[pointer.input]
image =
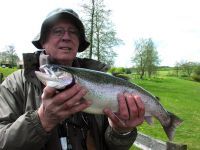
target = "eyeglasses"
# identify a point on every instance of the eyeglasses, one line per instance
(60, 31)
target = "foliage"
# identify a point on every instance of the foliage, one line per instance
(9, 56)
(197, 70)
(187, 70)
(120, 70)
(188, 67)
(100, 32)
(196, 75)
(146, 57)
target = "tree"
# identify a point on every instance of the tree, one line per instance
(177, 68)
(196, 75)
(188, 68)
(139, 58)
(152, 59)
(4, 57)
(9, 56)
(100, 32)
(146, 57)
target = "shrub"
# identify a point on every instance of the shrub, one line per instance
(196, 77)
(128, 71)
(119, 70)
(197, 70)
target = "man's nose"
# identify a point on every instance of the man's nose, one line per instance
(66, 35)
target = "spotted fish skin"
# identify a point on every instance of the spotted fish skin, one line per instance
(103, 90)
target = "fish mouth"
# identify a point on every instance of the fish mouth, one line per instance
(54, 77)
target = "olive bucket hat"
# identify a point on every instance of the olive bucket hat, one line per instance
(51, 18)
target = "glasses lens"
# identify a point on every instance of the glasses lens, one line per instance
(58, 31)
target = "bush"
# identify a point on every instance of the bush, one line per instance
(196, 77)
(197, 70)
(115, 70)
(128, 71)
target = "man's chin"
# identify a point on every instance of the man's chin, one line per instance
(65, 60)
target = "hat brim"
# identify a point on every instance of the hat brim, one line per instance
(83, 43)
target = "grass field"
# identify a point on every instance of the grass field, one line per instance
(6, 71)
(182, 97)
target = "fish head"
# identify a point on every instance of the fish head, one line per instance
(55, 77)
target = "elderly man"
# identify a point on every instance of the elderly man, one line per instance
(37, 117)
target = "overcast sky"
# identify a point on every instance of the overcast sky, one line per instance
(173, 25)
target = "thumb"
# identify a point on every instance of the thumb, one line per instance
(48, 92)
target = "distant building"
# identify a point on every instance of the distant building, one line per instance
(20, 64)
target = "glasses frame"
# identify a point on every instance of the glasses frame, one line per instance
(61, 31)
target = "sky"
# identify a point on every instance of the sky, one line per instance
(173, 25)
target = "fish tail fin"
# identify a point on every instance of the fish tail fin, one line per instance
(171, 127)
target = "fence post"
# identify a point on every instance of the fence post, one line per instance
(1, 77)
(146, 142)
(173, 146)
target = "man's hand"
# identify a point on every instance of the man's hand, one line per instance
(131, 113)
(57, 106)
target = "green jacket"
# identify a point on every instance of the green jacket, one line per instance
(20, 127)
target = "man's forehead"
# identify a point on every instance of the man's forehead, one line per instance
(68, 23)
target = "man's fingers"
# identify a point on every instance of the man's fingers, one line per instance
(67, 94)
(123, 109)
(132, 106)
(76, 108)
(140, 106)
(111, 115)
(75, 99)
(80, 107)
(48, 92)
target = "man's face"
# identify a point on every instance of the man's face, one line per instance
(62, 43)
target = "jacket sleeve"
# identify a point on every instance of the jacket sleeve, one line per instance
(119, 142)
(19, 129)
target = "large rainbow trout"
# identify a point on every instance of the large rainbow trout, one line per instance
(103, 90)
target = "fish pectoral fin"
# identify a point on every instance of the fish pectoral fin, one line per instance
(149, 120)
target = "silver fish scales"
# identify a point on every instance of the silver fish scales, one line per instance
(103, 90)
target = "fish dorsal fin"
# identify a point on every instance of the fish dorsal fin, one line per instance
(157, 98)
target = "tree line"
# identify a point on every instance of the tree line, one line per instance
(186, 68)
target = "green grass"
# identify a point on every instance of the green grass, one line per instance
(6, 71)
(182, 97)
